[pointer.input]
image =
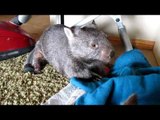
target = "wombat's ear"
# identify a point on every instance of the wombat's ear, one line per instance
(94, 23)
(69, 33)
(91, 25)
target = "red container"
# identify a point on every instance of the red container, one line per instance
(14, 41)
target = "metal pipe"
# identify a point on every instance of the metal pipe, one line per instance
(24, 18)
(122, 32)
(125, 39)
(20, 19)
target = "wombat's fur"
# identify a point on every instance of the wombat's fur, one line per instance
(80, 52)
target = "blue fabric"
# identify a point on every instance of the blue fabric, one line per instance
(131, 73)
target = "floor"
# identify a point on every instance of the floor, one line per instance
(38, 23)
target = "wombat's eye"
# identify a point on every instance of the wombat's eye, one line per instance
(93, 45)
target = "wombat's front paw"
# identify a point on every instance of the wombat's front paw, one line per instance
(37, 68)
(28, 68)
(37, 72)
(95, 77)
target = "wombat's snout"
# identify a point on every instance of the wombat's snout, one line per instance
(112, 53)
(107, 55)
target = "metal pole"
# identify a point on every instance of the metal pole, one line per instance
(20, 19)
(122, 32)
(62, 19)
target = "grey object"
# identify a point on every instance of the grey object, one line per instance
(74, 52)
(125, 39)
(20, 19)
(69, 94)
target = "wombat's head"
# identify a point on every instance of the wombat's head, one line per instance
(89, 43)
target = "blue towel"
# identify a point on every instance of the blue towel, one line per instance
(131, 73)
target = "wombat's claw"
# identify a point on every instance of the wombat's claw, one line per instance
(96, 77)
(28, 68)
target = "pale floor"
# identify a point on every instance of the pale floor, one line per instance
(38, 23)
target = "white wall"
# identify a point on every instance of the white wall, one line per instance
(138, 26)
(156, 50)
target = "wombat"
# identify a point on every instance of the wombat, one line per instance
(81, 52)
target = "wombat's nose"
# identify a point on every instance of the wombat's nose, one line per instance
(107, 54)
(112, 53)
